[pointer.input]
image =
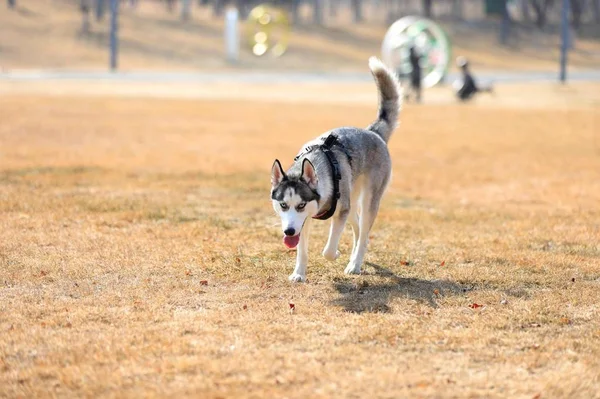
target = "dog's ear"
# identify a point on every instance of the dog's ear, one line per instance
(277, 173)
(308, 174)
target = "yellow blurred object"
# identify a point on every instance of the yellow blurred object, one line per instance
(268, 30)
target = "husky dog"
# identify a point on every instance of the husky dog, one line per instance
(341, 174)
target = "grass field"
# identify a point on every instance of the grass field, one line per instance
(140, 256)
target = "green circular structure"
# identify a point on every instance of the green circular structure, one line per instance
(430, 41)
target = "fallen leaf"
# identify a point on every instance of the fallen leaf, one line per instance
(573, 280)
(565, 320)
(43, 273)
(475, 306)
(404, 262)
(292, 308)
(68, 325)
(203, 282)
(443, 263)
(238, 260)
(188, 272)
(245, 307)
(436, 292)
(537, 396)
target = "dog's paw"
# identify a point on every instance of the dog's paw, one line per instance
(331, 255)
(352, 268)
(297, 278)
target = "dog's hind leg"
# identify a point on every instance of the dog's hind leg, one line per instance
(355, 211)
(369, 206)
(355, 228)
(335, 232)
(299, 274)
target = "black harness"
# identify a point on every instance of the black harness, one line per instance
(336, 175)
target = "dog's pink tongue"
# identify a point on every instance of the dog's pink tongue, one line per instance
(291, 241)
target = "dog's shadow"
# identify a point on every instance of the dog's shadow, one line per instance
(364, 295)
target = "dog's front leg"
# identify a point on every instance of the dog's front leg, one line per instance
(299, 274)
(335, 233)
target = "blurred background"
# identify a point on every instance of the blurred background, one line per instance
(318, 35)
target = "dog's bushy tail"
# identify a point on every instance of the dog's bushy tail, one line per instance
(389, 99)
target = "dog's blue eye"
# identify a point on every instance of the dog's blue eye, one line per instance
(301, 206)
(283, 205)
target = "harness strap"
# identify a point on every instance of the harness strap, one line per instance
(336, 175)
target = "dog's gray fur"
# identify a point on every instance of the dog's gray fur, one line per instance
(364, 179)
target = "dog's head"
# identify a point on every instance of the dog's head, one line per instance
(295, 198)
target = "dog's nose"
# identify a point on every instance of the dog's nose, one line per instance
(289, 231)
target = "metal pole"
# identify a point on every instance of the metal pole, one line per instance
(564, 46)
(114, 40)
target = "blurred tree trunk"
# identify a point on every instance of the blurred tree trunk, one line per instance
(596, 7)
(357, 11)
(12, 3)
(242, 6)
(295, 11)
(427, 8)
(390, 10)
(218, 7)
(85, 15)
(318, 12)
(171, 5)
(541, 11)
(394, 10)
(576, 12)
(185, 10)
(458, 9)
(505, 25)
(333, 8)
(525, 11)
(100, 8)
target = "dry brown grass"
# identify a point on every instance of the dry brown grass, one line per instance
(139, 255)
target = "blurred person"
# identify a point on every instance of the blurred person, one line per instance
(415, 74)
(466, 87)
